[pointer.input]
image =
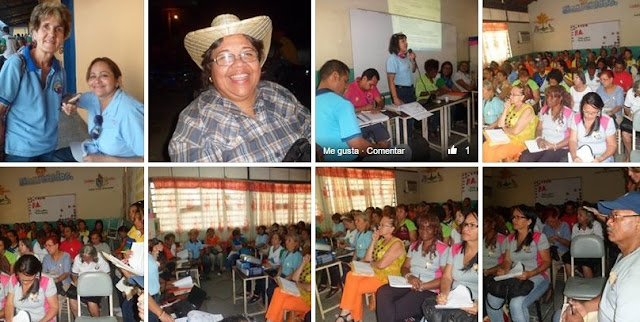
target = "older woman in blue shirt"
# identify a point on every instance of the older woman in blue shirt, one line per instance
(116, 120)
(33, 83)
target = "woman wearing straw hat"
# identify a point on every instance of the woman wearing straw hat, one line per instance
(238, 118)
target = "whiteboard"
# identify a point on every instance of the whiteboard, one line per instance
(558, 191)
(370, 34)
(52, 208)
(596, 35)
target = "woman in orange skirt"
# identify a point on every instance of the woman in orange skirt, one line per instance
(281, 302)
(386, 256)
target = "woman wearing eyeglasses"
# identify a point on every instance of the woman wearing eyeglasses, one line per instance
(386, 255)
(593, 131)
(462, 268)
(422, 268)
(238, 118)
(531, 248)
(28, 290)
(116, 120)
(57, 264)
(518, 120)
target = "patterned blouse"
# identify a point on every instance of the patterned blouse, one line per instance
(394, 268)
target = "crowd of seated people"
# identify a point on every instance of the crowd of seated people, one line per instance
(433, 246)
(284, 251)
(600, 91)
(40, 264)
(510, 236)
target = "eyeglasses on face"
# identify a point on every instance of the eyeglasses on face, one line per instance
(227, 58)
(469, 225)
(614, 216)
(518, 217)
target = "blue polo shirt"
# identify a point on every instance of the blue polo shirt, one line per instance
(336, 124)
(402, 68)
(122, 126)
(290, 261)
(194, 248)
(32, 120)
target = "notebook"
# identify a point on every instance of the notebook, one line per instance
(496, 136)
(362, 268)
(288, 286)
(517, 269)
(398, 282)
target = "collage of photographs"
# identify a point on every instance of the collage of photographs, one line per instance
(319, 160)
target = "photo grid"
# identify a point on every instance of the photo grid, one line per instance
(398, 124)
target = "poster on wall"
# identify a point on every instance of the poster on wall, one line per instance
(596, 35)
(470, 185)
(558, 191)
(52, 208)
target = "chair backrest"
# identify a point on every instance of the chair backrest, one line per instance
(95, 284)
(587, 246)
(636, 122)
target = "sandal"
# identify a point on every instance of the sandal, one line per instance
(344, 317)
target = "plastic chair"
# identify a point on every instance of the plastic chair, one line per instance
(586, 246)
(95, 284)
(635, 154)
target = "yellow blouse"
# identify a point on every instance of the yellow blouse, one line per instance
(394, 268)
(529, 132)
(305, 277)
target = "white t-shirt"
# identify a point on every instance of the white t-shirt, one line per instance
(274, 255)
(596, 229)
(577, 96)
(619, 300)
(461, 76)
(592, 83)
(631, 101)
(39, 251)
(79, 267)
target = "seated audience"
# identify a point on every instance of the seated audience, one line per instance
(57, 265)
(282, 301)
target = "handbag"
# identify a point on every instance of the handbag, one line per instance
(432, 314)
(509, 288)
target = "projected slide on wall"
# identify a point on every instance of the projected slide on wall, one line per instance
(371, 31)
(421, 9)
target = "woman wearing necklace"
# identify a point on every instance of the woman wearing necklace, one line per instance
(594, 129)
(532, 250)
(386, 255)
(518, 120)
(422, 269)
(552, 133)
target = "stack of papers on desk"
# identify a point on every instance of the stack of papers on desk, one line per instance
(368, 118)
(496, 136)
(458, 298)
(362, 268)
(414, 110)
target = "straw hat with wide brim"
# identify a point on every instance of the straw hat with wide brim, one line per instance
(197, 42)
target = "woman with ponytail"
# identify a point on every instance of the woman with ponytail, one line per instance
(531, 248)
(593, 128)
(28, 290)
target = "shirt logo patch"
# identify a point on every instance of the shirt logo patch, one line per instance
(57, 87)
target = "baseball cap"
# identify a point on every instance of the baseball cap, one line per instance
(630, 201)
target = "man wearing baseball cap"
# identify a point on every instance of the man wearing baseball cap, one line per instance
(618, 301)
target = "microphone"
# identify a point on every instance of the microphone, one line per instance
(410, 51)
